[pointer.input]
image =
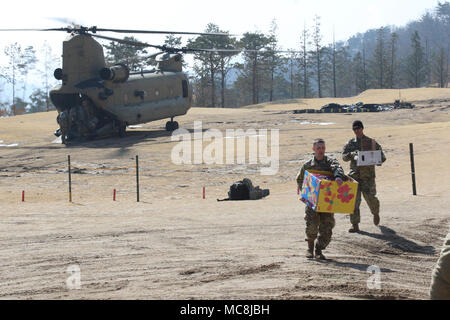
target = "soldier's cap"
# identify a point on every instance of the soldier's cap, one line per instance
(357, 124)
(318, 140)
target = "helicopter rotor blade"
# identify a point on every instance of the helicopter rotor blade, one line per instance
(214, 50)
(122, 41)
(76, 28)
(153, 56)
(184, 49)
(50, 29)
(66, 21)
(128, 42)
(163, 32)
(239, 50)
(161, 48)
(188, 50)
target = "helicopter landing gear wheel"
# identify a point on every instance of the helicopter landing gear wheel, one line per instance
(171, 125)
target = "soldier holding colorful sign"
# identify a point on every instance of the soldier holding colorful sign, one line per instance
(319, 223)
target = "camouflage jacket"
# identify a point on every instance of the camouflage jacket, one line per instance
(326, 164)
(349, 153)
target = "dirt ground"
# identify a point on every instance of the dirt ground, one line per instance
(175, 245)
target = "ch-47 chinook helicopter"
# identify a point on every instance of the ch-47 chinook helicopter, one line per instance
(95, 100)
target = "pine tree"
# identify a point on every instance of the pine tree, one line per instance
(213, 62)
(38, 101)
(392, 69)
(252, 69)
(416, 62)
(358, 73)
(344, 76)
(333, 63)
(379, 62)
(130, 55)
(439, 67)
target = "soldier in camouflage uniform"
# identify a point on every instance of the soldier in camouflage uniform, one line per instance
(319, 222)
(364, 175)
(440, 281)
(63, 120)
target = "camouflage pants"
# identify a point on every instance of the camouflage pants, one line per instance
(368, 189)
(319, 223)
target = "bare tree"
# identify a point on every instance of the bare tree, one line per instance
(333, 63)
(273, 59)
(48, 65)
(304, 67)
(317, 53)
(292, 72)
(21, 61)
(428, 64)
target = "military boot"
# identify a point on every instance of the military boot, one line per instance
(354, 229)
(319, 255)
(376, 219)
(310, 251)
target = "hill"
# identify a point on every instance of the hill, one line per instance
(381, 96)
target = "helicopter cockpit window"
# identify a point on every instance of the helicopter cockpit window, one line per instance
(184, 84)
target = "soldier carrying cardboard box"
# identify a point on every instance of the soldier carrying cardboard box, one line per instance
(364, 175)
(319, 222)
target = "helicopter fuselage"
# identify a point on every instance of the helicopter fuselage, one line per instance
(142, 98)
(147, 97)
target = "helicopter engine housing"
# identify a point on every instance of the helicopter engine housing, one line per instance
(117, 73)
(169, 62)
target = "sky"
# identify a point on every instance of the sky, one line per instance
(343, 17)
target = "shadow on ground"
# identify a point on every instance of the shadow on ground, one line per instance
(356, 266)
(398, 242)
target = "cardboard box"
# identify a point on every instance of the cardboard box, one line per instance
(368, 158)
(322, 194)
